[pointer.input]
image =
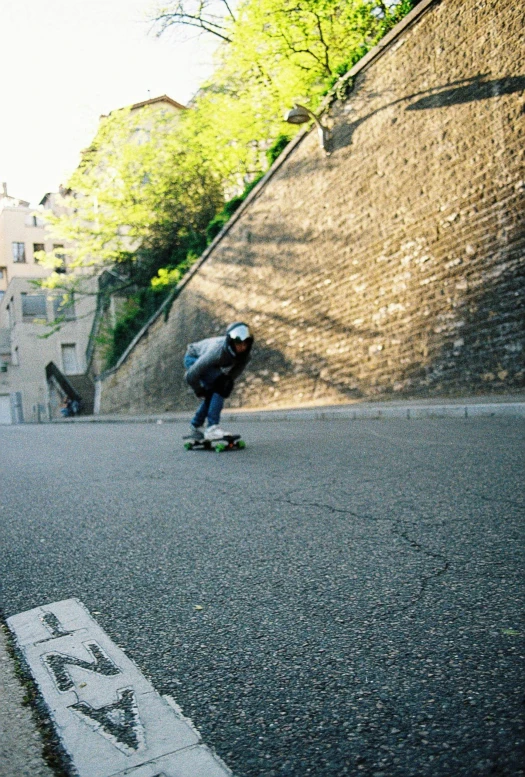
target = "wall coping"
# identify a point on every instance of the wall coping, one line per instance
(406, 22)
(365, 61)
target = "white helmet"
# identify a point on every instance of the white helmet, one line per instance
(238, 333)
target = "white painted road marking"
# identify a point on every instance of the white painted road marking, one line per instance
(58, 665)
(110, 719)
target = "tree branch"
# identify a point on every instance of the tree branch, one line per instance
(185, 13)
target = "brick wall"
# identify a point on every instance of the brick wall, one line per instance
(392, 267)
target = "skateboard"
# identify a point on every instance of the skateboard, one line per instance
(228, 443)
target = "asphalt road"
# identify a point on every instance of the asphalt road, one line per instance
(361, 582)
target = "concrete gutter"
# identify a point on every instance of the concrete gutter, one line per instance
(21, 743)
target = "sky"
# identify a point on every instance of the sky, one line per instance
(66, 62)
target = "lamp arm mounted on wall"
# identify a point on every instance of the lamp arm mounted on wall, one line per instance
(300, 114)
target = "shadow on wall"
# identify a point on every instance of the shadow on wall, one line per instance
(467, 342)
(480, 342)
(474, 345)
(456, 93)
(266, 361)
(310, 372)
(306, 377)
(473, 89)
(483, 344)
(480, 318)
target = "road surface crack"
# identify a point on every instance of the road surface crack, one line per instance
(320, 506)
(425, 579)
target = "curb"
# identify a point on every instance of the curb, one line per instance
(461, 408)
(509, 410)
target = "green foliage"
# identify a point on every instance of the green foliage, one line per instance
(134, 312)
(139, 201)
(168, 277)
(138, 194)
(276, 53)
(279, 52)
(224, 215)
(148, 195)
(277, 147)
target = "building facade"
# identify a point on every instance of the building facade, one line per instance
(28, 390)
(22, 236)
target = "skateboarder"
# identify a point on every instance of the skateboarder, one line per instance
(212, 365)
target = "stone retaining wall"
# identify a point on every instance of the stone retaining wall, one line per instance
(392, 267)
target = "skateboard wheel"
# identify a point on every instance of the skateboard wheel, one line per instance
(188, 446)
(220, 447)
(241, 444)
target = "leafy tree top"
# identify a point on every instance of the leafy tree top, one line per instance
(273, 53)
(138, 186)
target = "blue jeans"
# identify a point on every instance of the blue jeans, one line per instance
(211, 406)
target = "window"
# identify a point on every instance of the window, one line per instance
(32, 220)
(33, 307)
(15, 357)
(64, 307)
(69, 359)
(19, 252)
(2, 273)
(36, 248)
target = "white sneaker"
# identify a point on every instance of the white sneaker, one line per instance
(197, 432)
(215, 433)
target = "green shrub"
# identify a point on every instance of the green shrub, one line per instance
(137, 309)
(276, 148)
(224, 215)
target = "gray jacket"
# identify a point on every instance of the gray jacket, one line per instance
(213, 357)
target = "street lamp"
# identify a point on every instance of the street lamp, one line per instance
(300, 115)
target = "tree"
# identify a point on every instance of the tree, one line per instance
(152, 179)
(139, 198)
(274, 53)
(151, 182)
(210, 16)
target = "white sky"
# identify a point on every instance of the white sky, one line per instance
(66, 62)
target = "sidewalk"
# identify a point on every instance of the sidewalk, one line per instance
(509, 405)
